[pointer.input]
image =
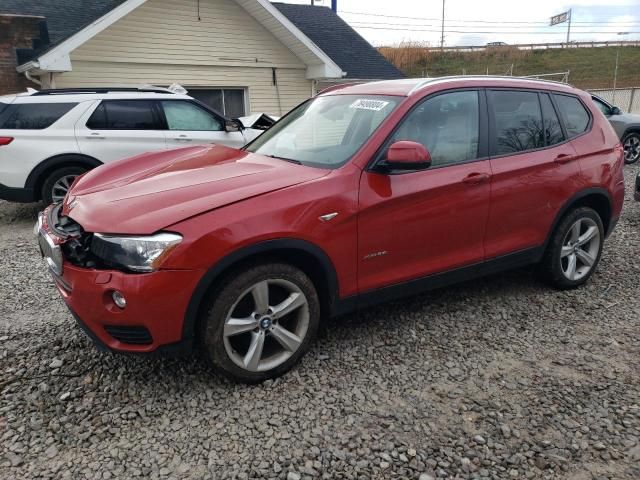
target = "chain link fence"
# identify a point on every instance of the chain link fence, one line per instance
(626, 99)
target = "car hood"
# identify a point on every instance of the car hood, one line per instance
(627, 118)
(143, 194)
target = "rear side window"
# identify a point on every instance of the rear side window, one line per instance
(518, 121)
(125, 115)
(32, 116)
(552, 129)
(575, 116)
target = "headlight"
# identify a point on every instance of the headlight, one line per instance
(139, 254)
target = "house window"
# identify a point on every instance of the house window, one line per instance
(228, 101)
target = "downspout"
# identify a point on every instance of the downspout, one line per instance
(274, 79)
(29, 77)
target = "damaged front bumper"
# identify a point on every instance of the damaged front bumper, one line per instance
(152, 318)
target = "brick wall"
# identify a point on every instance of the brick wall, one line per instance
(16, 31)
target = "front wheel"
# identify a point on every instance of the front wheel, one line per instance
(631, 145)
(261, 322)
(57, 184)
(574, 249)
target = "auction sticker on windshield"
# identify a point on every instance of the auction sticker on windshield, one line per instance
(369, 104)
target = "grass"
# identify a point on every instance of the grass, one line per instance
(589, 67)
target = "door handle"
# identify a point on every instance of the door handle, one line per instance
(476, 178)
(564, 158)
(96, 136)
(182, 138)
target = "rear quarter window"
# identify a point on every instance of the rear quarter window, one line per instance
(3, 106)
(32, 116)
(574, 114)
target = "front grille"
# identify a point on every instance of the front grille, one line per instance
(131, 335)
(50, 251)
(45, 247)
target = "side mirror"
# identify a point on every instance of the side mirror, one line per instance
(233, 126)
(615, 111)
(408, 155)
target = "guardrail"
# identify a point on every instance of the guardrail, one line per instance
(538, 46)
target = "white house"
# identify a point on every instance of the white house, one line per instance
(239, 56)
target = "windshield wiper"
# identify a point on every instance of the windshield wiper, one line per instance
(292, 160)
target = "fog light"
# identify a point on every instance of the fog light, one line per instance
(119, 299)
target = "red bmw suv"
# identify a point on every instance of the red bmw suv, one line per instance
(362, 194)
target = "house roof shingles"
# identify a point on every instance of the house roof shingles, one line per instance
(353, 54)
(64, 17)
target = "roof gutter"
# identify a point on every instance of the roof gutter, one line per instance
(25, 67)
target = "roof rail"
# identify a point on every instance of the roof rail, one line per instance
(426, 81)
(72, 91)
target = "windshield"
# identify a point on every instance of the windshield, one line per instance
(325, 131)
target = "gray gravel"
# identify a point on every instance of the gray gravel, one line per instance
(495, 378)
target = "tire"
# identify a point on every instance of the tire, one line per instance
(237, 322)
(562, 250)
(631, 145)
(53, 188)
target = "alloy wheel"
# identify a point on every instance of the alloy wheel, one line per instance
(61, 187)
(632, 149)
(580, 249)
(266, 325)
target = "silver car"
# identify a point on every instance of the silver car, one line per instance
(626, 125)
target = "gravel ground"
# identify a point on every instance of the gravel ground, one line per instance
(496, 378)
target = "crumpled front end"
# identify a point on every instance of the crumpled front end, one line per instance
(120, 311)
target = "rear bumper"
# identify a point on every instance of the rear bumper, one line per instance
(22, 195)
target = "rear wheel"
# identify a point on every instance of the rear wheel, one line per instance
(261, 322)
(574, 250)
(631, 145)
(57, 184)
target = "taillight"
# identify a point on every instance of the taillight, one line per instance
(5, 140)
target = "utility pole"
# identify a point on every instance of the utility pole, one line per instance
(442, 36)
(569, 28)
(615, 76)
(615, 72)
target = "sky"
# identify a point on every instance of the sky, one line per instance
(476, 22)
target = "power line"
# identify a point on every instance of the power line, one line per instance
(614, 26)
(480, 21)
(484, 31)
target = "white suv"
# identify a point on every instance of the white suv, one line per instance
(48, 138)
